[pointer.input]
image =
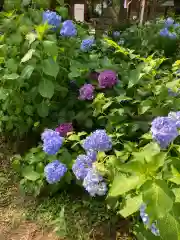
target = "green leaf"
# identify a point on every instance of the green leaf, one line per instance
(3, 94)
(169, 226)
(74, 137)
(135, 75)
(132, 205)
(27, 72)
(132, 167)
(28, 110)
(30, 174)
(176, 176)
(159, 198)
(156, 161)
(145, 106)
(123, 184)
(46, 88)
(43, 109)
(50, 68)
(150, 150)
(176, 192)
(28, 56)
(50, 48)
(12, 76)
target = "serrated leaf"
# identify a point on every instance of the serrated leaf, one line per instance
(132, 205)
(27, 71)
(46, 88)
(50, 68)
(30, 174)
(159, 197)
(122, 184)
(28, 56)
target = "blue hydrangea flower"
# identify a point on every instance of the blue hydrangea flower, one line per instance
(52, 18)
(52, 141)
(176, 25)
(116, 34)
(54, 171)
(86, 44)
(164, 32)
(169, 22)
(172, 35)
(164, 130)
(145, 218)
(175, 116)
(121, 41)
(92, 155)
(68, 29)
(171, 93)
(81, 166)
(98, 141)
(94, 184)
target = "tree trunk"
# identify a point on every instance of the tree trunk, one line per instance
(122, 17)
(177, 7)
(1, 5)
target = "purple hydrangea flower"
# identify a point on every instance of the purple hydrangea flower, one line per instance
(116, 34)
(98, 141)
(92, 155)
(164, 130)
(107, 79)
(175, 116)
(81, 166)
(87, 44)
(94, 184)
(145, 218)
(64, 128)
(68, 29)
(52, 141)
(52, 18)
(86, 92)
(54, 171)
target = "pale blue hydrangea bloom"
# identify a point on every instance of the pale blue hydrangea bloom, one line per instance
(54, 171)
(68, 29)
(98, 141)
(52, 18)
(94, 184)
(52, 141)
(81, 166)
(164, 130)
(145, 218)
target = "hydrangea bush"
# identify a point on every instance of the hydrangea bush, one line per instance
(108, 119)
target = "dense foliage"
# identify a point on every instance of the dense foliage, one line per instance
(108, 115)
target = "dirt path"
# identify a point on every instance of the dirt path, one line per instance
(13, 226)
